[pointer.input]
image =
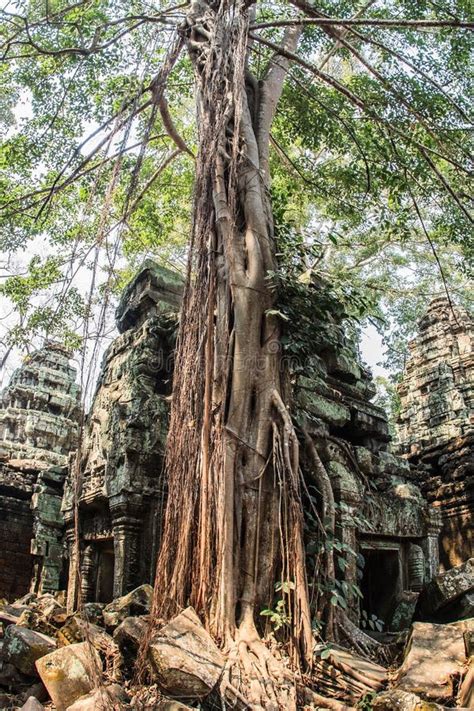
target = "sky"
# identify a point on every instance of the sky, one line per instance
(373, 350)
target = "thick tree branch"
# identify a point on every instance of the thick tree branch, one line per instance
(171, 129)
(365, 22)
(270, 95)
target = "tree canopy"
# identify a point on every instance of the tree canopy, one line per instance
(370, 153)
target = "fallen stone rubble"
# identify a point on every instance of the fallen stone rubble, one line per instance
(50, 659)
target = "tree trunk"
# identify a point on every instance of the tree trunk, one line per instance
(233, 521)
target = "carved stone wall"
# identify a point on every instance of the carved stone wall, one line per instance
(380, 506)
(436, 423)
(39, 413)
(381, 512)
(122, 446)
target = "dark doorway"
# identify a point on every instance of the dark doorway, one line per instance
(105, 572)
(381, 581)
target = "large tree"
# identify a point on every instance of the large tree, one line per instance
(359, 114)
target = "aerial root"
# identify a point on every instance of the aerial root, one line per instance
(314, 699)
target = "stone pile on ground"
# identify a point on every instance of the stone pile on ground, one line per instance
(50, 659)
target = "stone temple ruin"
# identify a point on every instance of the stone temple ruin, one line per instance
(382, 514)
(399, 511)
(39, 417)
(436, 422)
(121, 451)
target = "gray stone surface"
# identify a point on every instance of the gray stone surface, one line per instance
(446, 589)
(136, 602)
(123, 443)
(111, 696)
(39, 414)
(68, 673)
(22, 647)
(437, 391)
(404, 610)
(32, 704)
(436, 427)
(40, 409)
(434, 658)
(398, 700)
(376, 491)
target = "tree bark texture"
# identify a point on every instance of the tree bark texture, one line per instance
(233, 520)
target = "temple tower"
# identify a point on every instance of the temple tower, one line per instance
(39, 415)
(436, 423)
(121, 452)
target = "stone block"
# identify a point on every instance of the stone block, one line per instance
(184, 658)
(23, 647)
(365, 459)
(129, 634)
(397, 700)
(10, 677)
(32, 704)
(370, 420)
(404, 610)
(344, 365)
(345, 484)
(434, 659)
(111, 696)
(8, 619)
(445, 589)
(38, 690)
(321, 407)
(68, 673)
(78, 630)
(93, 612)
(462, 608)
(153, 284)
(136, 602)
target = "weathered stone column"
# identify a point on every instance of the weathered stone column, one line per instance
(431, 543)
(72, 585)
(88, 573)
(126, 526)
(348, 536)
(348, 494)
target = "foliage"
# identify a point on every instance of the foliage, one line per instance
(279, 615)
(387, 398)
(364, 158)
